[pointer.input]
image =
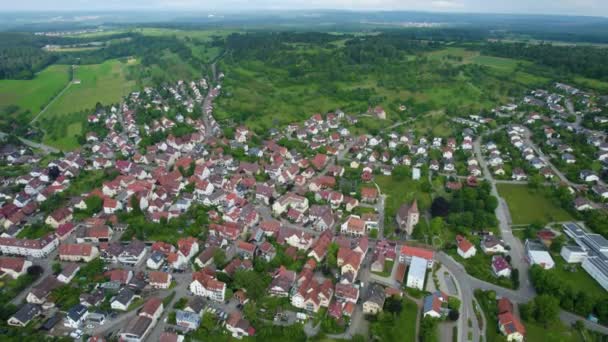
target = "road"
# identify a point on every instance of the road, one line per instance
(44, 148)
(504, 222)
(56, 97)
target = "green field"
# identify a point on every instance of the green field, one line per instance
(399, 192)
(263, 92)
(576, 277)
(401, 327)
(33, 95)
(528, 207)
(105, 83)
(558, 332)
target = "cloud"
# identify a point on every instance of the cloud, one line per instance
(446, 4)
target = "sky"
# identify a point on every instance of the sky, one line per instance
(564, 7)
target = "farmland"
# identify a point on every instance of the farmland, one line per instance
(31, 95)
(105, 83)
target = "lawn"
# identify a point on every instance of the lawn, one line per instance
(400, 191)
(575, 276)
(388, 269)
(528, 207)
(401, 327)
(480, 267)
(33, 95)
(105, 83)
(558, 332)
(35, 231)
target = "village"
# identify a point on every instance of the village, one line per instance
(167, 221)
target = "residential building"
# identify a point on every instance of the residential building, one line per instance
(374, 302)
(434, 305)
(205, 285)
(536, 254)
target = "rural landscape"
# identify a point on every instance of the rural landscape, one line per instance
(303, 175)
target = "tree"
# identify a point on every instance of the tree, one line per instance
(54, 172)
(579, 325)
(546, 309)
(440, 207)
(393, 305)
(56, 268)
(254, 283)
(453, 315)
(35, 270)
(219, 257)
(332, 255)
(94, 204)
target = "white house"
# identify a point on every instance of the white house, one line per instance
(465, 248)
(537, 255)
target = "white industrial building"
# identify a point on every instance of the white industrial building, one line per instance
(417, 273)
(595, 249)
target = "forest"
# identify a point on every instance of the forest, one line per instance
(588, 61)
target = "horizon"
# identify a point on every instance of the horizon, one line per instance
(585, 8)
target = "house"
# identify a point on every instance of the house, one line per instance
(491, 245)
(39, 293)
(374, 302)
(156, 260)
(511, 327)
(122, 300)
(282, 282)
(77, 252)
(536, 254)
(196, 305)
(417, 273)
(36, 248)
(583, 204)
(13, 267)
(25, 315)
(588, 176)
(59, 217)
(434, 305)
(206, 257)
(159, 280)
(408, 216)
(152, 308)
(238, 326)
(354, 226)
(207, 286)
(347, 293)
(187, 319)
(68, 272)
(75, 316)
(245, 250)
(290, 200)
(310, 293)
(167, 337)
(120, 276)
(500, 266)
(465, 248)
(137, 329)
(369, 195)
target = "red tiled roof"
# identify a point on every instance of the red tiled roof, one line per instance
(75, 249)
(418, 252)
